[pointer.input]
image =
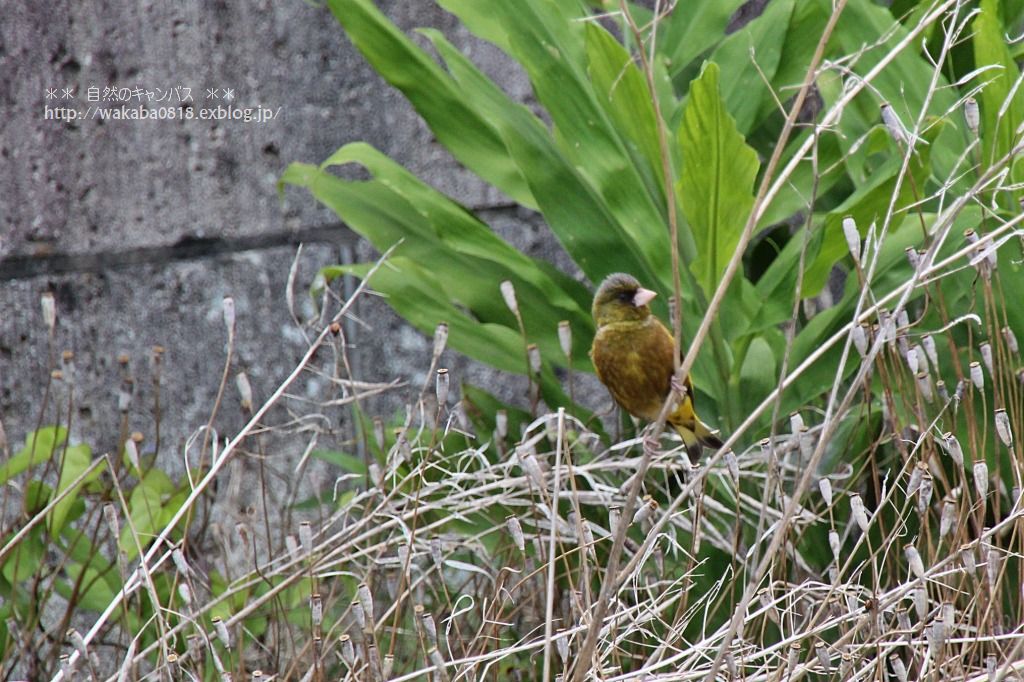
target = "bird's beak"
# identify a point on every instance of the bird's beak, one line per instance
(643, 297)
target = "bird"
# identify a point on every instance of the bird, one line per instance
(632, 354)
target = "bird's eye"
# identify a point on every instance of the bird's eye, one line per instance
(626, 297)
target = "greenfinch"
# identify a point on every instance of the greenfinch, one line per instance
(632, 353)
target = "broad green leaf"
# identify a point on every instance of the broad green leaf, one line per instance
(146, 508)
(26, 557)
(1001, 100)
(437, 98)
(420, 297)
(39, 447)
(396, 207)
(716, 184)
(348, 463)
(622, 91)
(690, 29)
(748, 60)
(551, 49)
(76, 459)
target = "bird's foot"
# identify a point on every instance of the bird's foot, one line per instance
(650, 442)
(679, 387)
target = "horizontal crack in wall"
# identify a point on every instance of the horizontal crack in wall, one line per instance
(187, 248)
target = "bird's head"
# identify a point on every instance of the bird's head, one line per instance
(620, 298)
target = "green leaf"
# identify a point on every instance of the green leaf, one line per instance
(1000, 101)
(146, 506)
(342, 460)
(690, 29)
(26, 557)
(623, 93)
(550, 47)
(438, 99)
(40, 446)
(749, 58)
(75, 461)
(716, 185)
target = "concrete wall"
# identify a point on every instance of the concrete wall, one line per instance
(140, 228)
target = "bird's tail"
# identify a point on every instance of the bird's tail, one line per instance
(696, 436)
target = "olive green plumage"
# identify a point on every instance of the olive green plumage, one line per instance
(632, 353)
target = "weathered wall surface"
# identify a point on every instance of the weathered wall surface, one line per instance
(140, 228)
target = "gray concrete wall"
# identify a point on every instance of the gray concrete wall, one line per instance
(140, 228)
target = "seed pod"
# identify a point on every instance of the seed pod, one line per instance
(292, 546)
(940, 388)
(440, 339)
(903, 620)
(821, 651)
(948, 518)
(179, 562)
(565, 337)
(977, 378)
(921, 603)
(924, 493)
(860, 339)
(113, 522)
(1011, 340)
(508, 292)
(902, 323)
(846, 666)
(981, 478)
(852, 238)
(972, 116)
(516, 531)
(647, 508)
(733, 465)
(913, 257)
(796, 423)
(222, 631)
(306, 537)
(229, 314)
(894, 125)
(429, 627)
(316, 609)
(825, 486)
(914, 560)
(992, 562)
(952, 446)
(986, 355)
(794, 655)
(858, 511)
(562, 644)
(533, 353)
(365, 601)
(501, 424)
(441, 388)
(614, 514)
(49, 307)
(348, 652)
(806, 443)
(898, 667)
(833, 543)
(388, 667)
(244, 391)
(911, 360)
(969, 561)
(929, 348)
(131, 451)
(1003, 427)
(924, 384)
(914, 482)
(435, 552)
